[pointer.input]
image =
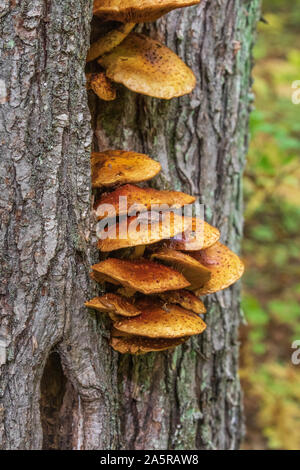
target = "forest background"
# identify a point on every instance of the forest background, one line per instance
(271, 249)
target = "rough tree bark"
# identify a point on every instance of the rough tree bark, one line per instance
(61, 386)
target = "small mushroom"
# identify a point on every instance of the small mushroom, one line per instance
(148, 67)
(157, 322)
(109, 41)
(118, 167)
(101, 85)
(139, 345)
(185, 299)
(200, 237)
(195, 272)
(142, 275)
(140, 11)
(145, 229)
(114, 303)
(225, 267)
(143, 199)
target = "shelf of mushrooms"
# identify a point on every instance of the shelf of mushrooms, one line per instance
(134, 60)
(157, 272)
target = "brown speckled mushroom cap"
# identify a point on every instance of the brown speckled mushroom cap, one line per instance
(195, 272)
(145, 66)
(145, 229)
(200, 237)
(143, 198)
(101, 86)
(225, 267)
(162, 321)
(141, 275)
(119, 167)
(109, 41)
(140, 11)
(114, 303)
(185, 299)
(139, 345)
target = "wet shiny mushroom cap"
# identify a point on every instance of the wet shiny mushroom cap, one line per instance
(162, 321)
(140, 11)
(144, 229)
(225, 266)
(148, 67)
(119, 167)
(142, 199)
(200, 237)
(141, 275)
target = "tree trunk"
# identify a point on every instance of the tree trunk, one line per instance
(61, 385)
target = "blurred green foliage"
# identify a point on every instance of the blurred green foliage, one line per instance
(271, 300)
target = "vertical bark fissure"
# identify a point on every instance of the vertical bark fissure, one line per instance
(45, 243)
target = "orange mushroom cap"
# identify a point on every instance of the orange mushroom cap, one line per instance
(142, 275)
(185, 299)
(200, 237)
(145, 229)
(101, 86)
(118, 167)
(142, 199)
(225, 267)
(162, 321)
(114, 303)
(194, 271)
(148, 67)
(140, 11)
(109, 41)
(138, 345)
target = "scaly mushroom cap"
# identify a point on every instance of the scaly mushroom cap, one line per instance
(162, 321)
(145, 66)
(143, 198)
(195, 272)
(108, 42)
(118, 167)
(185, 299)
(145, 229)
(102, 86)
(114, 303)
(201, 237)
(140, 11)
(225, 267)
(141, 275)
(138, 345)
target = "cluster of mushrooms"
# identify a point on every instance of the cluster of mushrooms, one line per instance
(161, 267)
(134, 60)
